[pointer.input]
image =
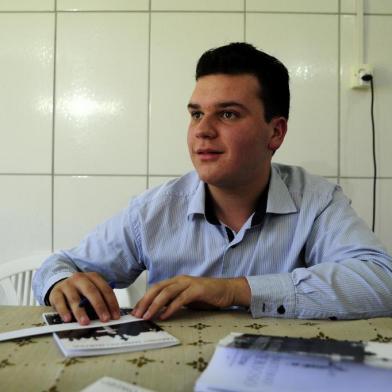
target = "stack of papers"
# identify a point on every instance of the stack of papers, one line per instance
(250, 363)
(133, 335)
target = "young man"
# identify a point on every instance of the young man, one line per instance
(238, 231)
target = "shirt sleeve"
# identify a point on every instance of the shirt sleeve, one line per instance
(112, 250)
(348, 273)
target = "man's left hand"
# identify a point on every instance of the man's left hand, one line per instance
(170, 295)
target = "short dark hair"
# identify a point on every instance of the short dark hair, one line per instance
(243, 58)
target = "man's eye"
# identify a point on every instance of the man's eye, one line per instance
(196, 115)
(229, 115)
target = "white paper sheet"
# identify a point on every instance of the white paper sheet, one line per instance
(33, 331)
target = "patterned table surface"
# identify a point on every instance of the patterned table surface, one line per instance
(36, 364)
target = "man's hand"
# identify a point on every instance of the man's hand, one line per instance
(65, 297)
(170, 295)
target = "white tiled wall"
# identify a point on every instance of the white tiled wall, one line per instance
(93, 98)
(174, 52)
(25, 210)
(293, 5)
(26, 92)
(82, 202)
(355, 118)
(101, 93)
(370, 6)
(308, 46)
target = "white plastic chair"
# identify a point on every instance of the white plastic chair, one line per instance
(128, 297)
(16, 277)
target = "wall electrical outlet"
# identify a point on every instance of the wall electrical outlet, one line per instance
(356, 75)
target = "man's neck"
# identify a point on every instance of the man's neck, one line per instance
(234, 206)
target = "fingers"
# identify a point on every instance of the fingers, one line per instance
(181, 300)
(156, 298)
(58, 301)
(168, 296)
(73, 298)
(66, 295)
(169, 300)
(108, 296)
(160, 296)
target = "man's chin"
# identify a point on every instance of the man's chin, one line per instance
(212, 182)
(218, 177)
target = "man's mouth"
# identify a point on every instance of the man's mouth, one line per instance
(208, 151)
(208, 154)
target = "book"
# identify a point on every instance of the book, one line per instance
(133, 335)
(250, 363)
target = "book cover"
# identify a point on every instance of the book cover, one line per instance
(135, 335)
(372, 353)
(254, 363)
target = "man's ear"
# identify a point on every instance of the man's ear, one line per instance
(279, 127)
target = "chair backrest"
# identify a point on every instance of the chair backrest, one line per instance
(129, 296)
(16, 277)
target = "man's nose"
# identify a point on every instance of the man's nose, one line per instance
(206, 128)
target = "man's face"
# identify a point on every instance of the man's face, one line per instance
(229, 141)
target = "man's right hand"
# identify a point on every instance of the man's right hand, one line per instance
(65, 297)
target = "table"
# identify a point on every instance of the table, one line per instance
(36, 364)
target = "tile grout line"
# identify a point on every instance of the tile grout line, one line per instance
(166, 175)
(148, 124)
(339, 132)
(53, 124)
(191, 11)
(244, 20)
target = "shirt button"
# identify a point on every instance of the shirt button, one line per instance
(281, 309)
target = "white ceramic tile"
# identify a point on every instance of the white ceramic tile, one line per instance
(293, 5)
(307, 45)
(26, 5)
(370, 6)
(177, 41)
(334, 180)
(159, 180)
(102, 5)
(82, 202)
(26, 89)
(25, 216)
(360, 192)
(101, 107)
(200, 5)
(356, 134)
(384, 212)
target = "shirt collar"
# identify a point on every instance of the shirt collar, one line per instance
(197, 201)
(279, 198)
(278, 201)
(258, 215)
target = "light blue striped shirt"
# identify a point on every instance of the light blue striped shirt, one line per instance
(311, 257)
